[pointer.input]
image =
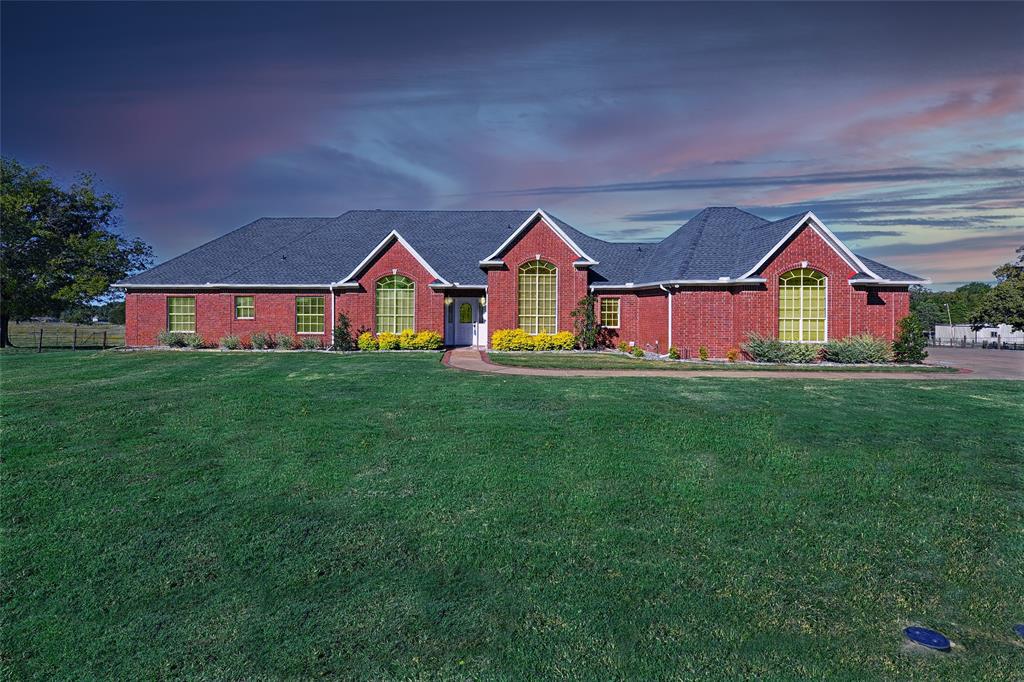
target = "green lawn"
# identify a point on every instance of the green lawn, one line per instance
(616, 361)
(303, 515)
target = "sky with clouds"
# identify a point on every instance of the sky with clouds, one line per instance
(900, 125)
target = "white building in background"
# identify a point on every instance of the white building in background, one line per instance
(1002, 333)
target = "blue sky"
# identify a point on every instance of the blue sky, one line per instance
(900, 125)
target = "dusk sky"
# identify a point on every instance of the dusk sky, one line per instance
(900, 126)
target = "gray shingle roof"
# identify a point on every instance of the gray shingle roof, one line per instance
(717, 242)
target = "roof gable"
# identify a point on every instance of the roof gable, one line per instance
(536, 217)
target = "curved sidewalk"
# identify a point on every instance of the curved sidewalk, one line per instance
(473, 360)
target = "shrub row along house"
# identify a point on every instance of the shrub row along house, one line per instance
(466, 274)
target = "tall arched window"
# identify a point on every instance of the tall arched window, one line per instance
(538, 297)
(396, 298)
(802, 306)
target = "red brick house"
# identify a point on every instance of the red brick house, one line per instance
(466, 274)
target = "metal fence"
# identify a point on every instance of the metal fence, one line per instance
(42, 337)
(964, 342)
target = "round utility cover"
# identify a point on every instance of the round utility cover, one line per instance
(926, 637)
(1019, 629)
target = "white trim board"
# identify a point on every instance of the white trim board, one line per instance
(377, 250)
(826, 234)
(583, 261)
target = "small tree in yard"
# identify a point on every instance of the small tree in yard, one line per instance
(57, 247)
(585, 322)
(343, 338)
(1004, 303)
(910, 341)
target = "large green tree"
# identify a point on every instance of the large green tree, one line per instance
(58, 247)
(1004, 303)
(930, 307)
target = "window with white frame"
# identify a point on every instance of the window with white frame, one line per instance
(245, 307)
(610, 313)
(309, 314)
(181, 313)
(802, 314)
(396, 304)
(538, 297)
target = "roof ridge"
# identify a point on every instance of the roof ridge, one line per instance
(692, 246)
(282, 247)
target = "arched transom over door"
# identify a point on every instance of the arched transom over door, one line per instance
(396, 304)
(803, 315)
(538, 297)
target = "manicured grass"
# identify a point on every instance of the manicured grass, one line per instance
(617, 361)
(303, 515)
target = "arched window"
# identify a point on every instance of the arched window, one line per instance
(802, 306)
(465, 313)
(395, 304)
(538, 297)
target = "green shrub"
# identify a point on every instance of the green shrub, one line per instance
(764, 348)
(343, 334)
(388, 341)
(703, 353)
(261, 340)
(284, 341)
(673, 353)
(195, 341)
(585, 322)
(910, 341)
(309, 342)
(638, 352)
(367, 342)
(231, 342)
(429, 340)
(623, 347)
(801, 352)
(858, 349)
(732, 355)
(172, 339)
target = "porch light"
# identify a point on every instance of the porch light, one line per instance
(447, 300)
(483, 300)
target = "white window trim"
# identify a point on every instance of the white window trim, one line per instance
(319, 333)
(495, 258)
(618, 311)
(778, 303)
(833, 241)
(234, 300)
(376, 322)
(167, 318)
(377, 250)
(557, 274)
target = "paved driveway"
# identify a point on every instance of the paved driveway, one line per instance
(983, 363)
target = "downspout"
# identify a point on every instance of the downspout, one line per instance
(669, 294)
(334, 320)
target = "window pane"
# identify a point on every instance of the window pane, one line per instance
(309, 314)
(181, 313)
(245, 307)
(802, 305)
(465, 313)
(538, 298)
(396, 301)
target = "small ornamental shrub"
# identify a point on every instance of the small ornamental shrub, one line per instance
(764, 348)
(429, 340)
(231, 342)
(563, 341)
(623, 347)
(703, 353)
(859, 349)
(261, 340)
(172, 339)
(673, 353)
(542, 341)
(284, 341)
(343, 337)
(801, 352)
(309, 342)
(367, 342)
(388, 341)
(910, 341)
(511, 339)
(585, 322)
(194, 341)
(732, 355)
(407, 340)
(638, 352)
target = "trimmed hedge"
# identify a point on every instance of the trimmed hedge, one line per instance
(407, 340)
(859, 349)
(518, 339)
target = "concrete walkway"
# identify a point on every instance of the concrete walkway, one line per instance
(474, 360)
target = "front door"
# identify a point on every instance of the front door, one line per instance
(467, 322)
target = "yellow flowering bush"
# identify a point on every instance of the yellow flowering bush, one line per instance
(366, 341)
(517, 339)
(388, 341)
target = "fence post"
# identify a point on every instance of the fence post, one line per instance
(74, 339)
(40, 340)
(104, 339)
